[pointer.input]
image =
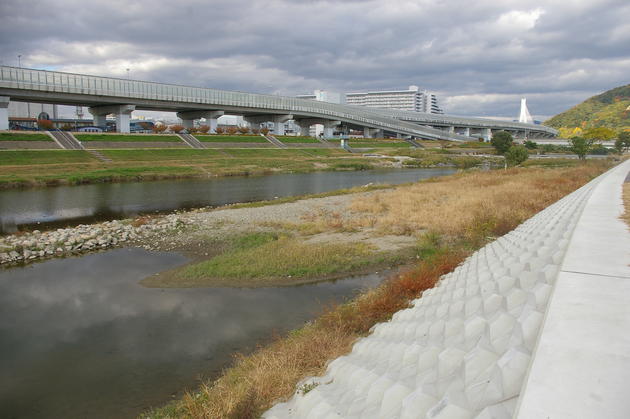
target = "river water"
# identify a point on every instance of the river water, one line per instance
(79, 337)
(71, 205)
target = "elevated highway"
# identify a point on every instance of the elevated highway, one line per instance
(105, 95)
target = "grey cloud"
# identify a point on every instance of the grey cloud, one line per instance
(556, 52)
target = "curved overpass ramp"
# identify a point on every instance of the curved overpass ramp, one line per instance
(106, 95)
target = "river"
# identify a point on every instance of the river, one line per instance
(71, 205)
(80, 337)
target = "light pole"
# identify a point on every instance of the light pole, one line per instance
(128, 74)
(19, 60)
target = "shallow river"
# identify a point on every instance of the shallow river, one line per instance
(67, 205)
(80, 338)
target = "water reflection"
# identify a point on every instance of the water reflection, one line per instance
(80, 338)
(88, 203)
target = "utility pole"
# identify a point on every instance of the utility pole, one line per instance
(19, 60)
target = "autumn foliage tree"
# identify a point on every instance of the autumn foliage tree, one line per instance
(264, 131)
(176, 128)
(45, 124)
(219, 130)
(159, 128)
(232, 130)
(243, 130)
(203, 129)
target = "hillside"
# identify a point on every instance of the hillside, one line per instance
(610, 109)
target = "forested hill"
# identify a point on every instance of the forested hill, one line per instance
(610, 109)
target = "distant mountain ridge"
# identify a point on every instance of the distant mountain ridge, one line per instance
(610, 109)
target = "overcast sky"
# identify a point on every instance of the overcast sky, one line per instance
(479, 56)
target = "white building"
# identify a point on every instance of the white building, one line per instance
(413, 99)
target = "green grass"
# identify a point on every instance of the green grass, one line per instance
(268, 256)
(160, 154)
(288, 139)
(268, 152)
(353, 166)
(129, 138)
(231, 139)
(13, 136)
(373, 144)
(32, 157)
(126, 173)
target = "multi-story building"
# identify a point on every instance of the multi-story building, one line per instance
(413, 99)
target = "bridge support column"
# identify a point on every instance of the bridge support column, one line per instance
(305, 129)
(188, 118)
(372, 132)
(122, 113)
(486, 134)
(329, 127)
(451, 130)
(467, 132)
(278, 123)
(4, 112)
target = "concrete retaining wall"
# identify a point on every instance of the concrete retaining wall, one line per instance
(464, 348)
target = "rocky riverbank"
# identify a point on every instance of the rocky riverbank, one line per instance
(27, 247)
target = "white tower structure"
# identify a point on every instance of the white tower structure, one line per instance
(525, 117)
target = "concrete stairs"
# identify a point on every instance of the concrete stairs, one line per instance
(273, 140)
(414, 143)
(191, 141)
(65, 140)
(99, 156)
(464, 348)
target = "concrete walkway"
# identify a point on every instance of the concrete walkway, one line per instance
(535, 325)
(581, 366)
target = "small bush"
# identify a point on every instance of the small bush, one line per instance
(502, 141)
(516, 155)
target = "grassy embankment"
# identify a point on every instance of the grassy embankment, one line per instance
(452, 216)
(49, 167)
(124, 138)
(42, 167)
(15, 136)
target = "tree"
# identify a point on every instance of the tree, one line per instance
(516, 155)
(600, 133)
(159, 128)
(232, 130)
(67, 127)
(243, 130)
(177, 128)
(45, 124)
(502, 141)
(622, 143)
(219, 130)
(255, 131)
(581, 146)
(204, 129)
(264, 131)
(530, 145)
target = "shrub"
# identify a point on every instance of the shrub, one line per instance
(158, 128)
(67, 127)
(45, 124)
(232, 130)
(530, 145)
(264, 131)
(502, 141)
(203, 129)
(243, 130)
(219, 130)
(177, 128)
(516, 155)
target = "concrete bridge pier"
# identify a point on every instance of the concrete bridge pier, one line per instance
(4, 112)
(329, 127)
(188, 118)
(278, 123)
(467, 132)
(486, 134)
(122, 113)
(372, 133)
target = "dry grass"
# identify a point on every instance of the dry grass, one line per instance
(472, 204)
(626, 203)
(461, 211)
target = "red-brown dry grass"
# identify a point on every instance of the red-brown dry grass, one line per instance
(469, 207)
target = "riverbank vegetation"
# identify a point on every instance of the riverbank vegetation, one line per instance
(21, 168)
(450, 217)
